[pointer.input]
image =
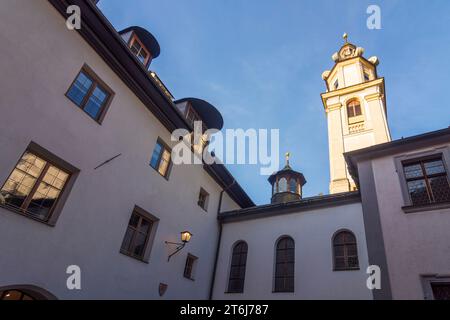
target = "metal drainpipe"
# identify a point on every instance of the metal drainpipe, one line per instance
(219, 240)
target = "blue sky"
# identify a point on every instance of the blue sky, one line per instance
(260, 63)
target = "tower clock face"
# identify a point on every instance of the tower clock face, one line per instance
(347, 52)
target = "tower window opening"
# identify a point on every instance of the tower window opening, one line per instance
(336, 84)
(354, 112)
(366, 76)
(282, 185)
(293, 185)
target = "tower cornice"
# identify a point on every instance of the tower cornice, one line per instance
(351, 89)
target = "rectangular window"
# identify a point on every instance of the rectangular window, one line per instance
(35, 185)
(203, 198)
(90, 94)
(138, 234)
(161, 158)
(190, 266)
(441, 291)
(427, 181)
(366, 76)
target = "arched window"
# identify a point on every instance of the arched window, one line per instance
(282, 185)
(354, 109)
(237, 270)
(15, 295)
(345, 251)
(25, 292)
(293, 185)
(284, 265)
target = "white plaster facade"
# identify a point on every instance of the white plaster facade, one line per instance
(41, 58)
(417, 244)
(312, 231)
(91, 228)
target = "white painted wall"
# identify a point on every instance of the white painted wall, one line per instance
(416, 243)
(40, 58)
(314, 275)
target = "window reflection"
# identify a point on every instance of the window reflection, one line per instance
(34, 186)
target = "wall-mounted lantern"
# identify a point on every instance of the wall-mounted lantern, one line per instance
(185, 238)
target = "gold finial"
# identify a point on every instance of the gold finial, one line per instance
(287, 158)
(345, 36)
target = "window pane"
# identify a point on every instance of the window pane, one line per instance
(358, 110)
(338, 251)
(155, 156)
(96, 102)
(350, 112)
(282, 185)
(351, 249)
(135, 47)
(19, 184)
(418, 192)
(413, 171)
(79, 88)
(134, 220)
(353, 262)
(164, 164)
(440, 188)
(434, 167)
(139, 244)
(127, 240)
(43, 200)
(145, 226)
(142, 56)
(293, 185)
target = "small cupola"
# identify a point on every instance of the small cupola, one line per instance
(141, 43)
(286, 184)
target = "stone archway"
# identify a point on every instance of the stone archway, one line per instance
(25, 292)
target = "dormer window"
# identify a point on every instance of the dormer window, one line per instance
(191, 115)
(139, 50)
(141, 43)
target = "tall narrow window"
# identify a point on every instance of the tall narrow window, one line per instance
(282, 185)
(285, 265)
(137, 236)
(237, 271)
(161, 159)
(203, 198)
(293, 185)
(427, 181)
(345, 251)
(189, 267)
(90, 94)
(34, 186)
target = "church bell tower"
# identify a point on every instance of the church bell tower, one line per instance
(355, 106)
